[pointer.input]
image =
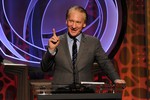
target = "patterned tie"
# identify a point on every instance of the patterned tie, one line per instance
(74, 51)
(74, 57)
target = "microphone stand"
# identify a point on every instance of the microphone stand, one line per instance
(78, 87)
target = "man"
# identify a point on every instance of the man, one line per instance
(69, 68)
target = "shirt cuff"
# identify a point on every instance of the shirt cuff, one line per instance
(52, 52)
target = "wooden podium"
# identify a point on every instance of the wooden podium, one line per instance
(43, 90)
(21, 72)
(86, 96)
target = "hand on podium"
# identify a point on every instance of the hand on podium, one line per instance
(120, 83)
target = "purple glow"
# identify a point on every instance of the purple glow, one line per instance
(31, 25)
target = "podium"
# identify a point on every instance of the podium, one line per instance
(45, 90)
(86, 96)
(20, 71)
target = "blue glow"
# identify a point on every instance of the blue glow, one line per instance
(111, 26)
(38, 23)
(29, 10)
(16, 32)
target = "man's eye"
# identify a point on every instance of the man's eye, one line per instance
(70, 20)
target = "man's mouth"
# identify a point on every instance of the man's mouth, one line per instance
(74, 29)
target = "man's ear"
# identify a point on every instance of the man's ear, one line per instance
(84, 25)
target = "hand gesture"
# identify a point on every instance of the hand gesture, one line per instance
(54, 41)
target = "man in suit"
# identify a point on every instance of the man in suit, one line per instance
(89, 50)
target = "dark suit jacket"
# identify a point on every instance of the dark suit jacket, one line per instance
(90, 51)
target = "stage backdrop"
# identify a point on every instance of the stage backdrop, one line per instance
(133, 56)
(148, 42)
(25, 27)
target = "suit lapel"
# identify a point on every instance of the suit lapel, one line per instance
(66, 51)
(82, 50)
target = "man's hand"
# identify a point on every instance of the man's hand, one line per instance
(53, 42)
(119, 81)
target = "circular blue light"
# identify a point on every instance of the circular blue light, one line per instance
(31, 25)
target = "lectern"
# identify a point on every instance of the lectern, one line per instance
(48, 91)
(86, 96)
(21, 72)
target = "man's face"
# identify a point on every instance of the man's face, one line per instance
(75, 22)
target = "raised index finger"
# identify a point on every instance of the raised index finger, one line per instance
(54, 32)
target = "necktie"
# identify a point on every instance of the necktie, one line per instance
(74, 51)
(74, 57)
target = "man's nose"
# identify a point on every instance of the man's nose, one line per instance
(74, 25)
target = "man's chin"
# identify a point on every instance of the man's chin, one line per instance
(73, 34)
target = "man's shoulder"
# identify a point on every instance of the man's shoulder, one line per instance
(62, 36)
(90, 37)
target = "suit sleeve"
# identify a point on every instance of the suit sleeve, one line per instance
(47, 62)
(105, 63)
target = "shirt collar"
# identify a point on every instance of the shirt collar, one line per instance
(78, 37)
